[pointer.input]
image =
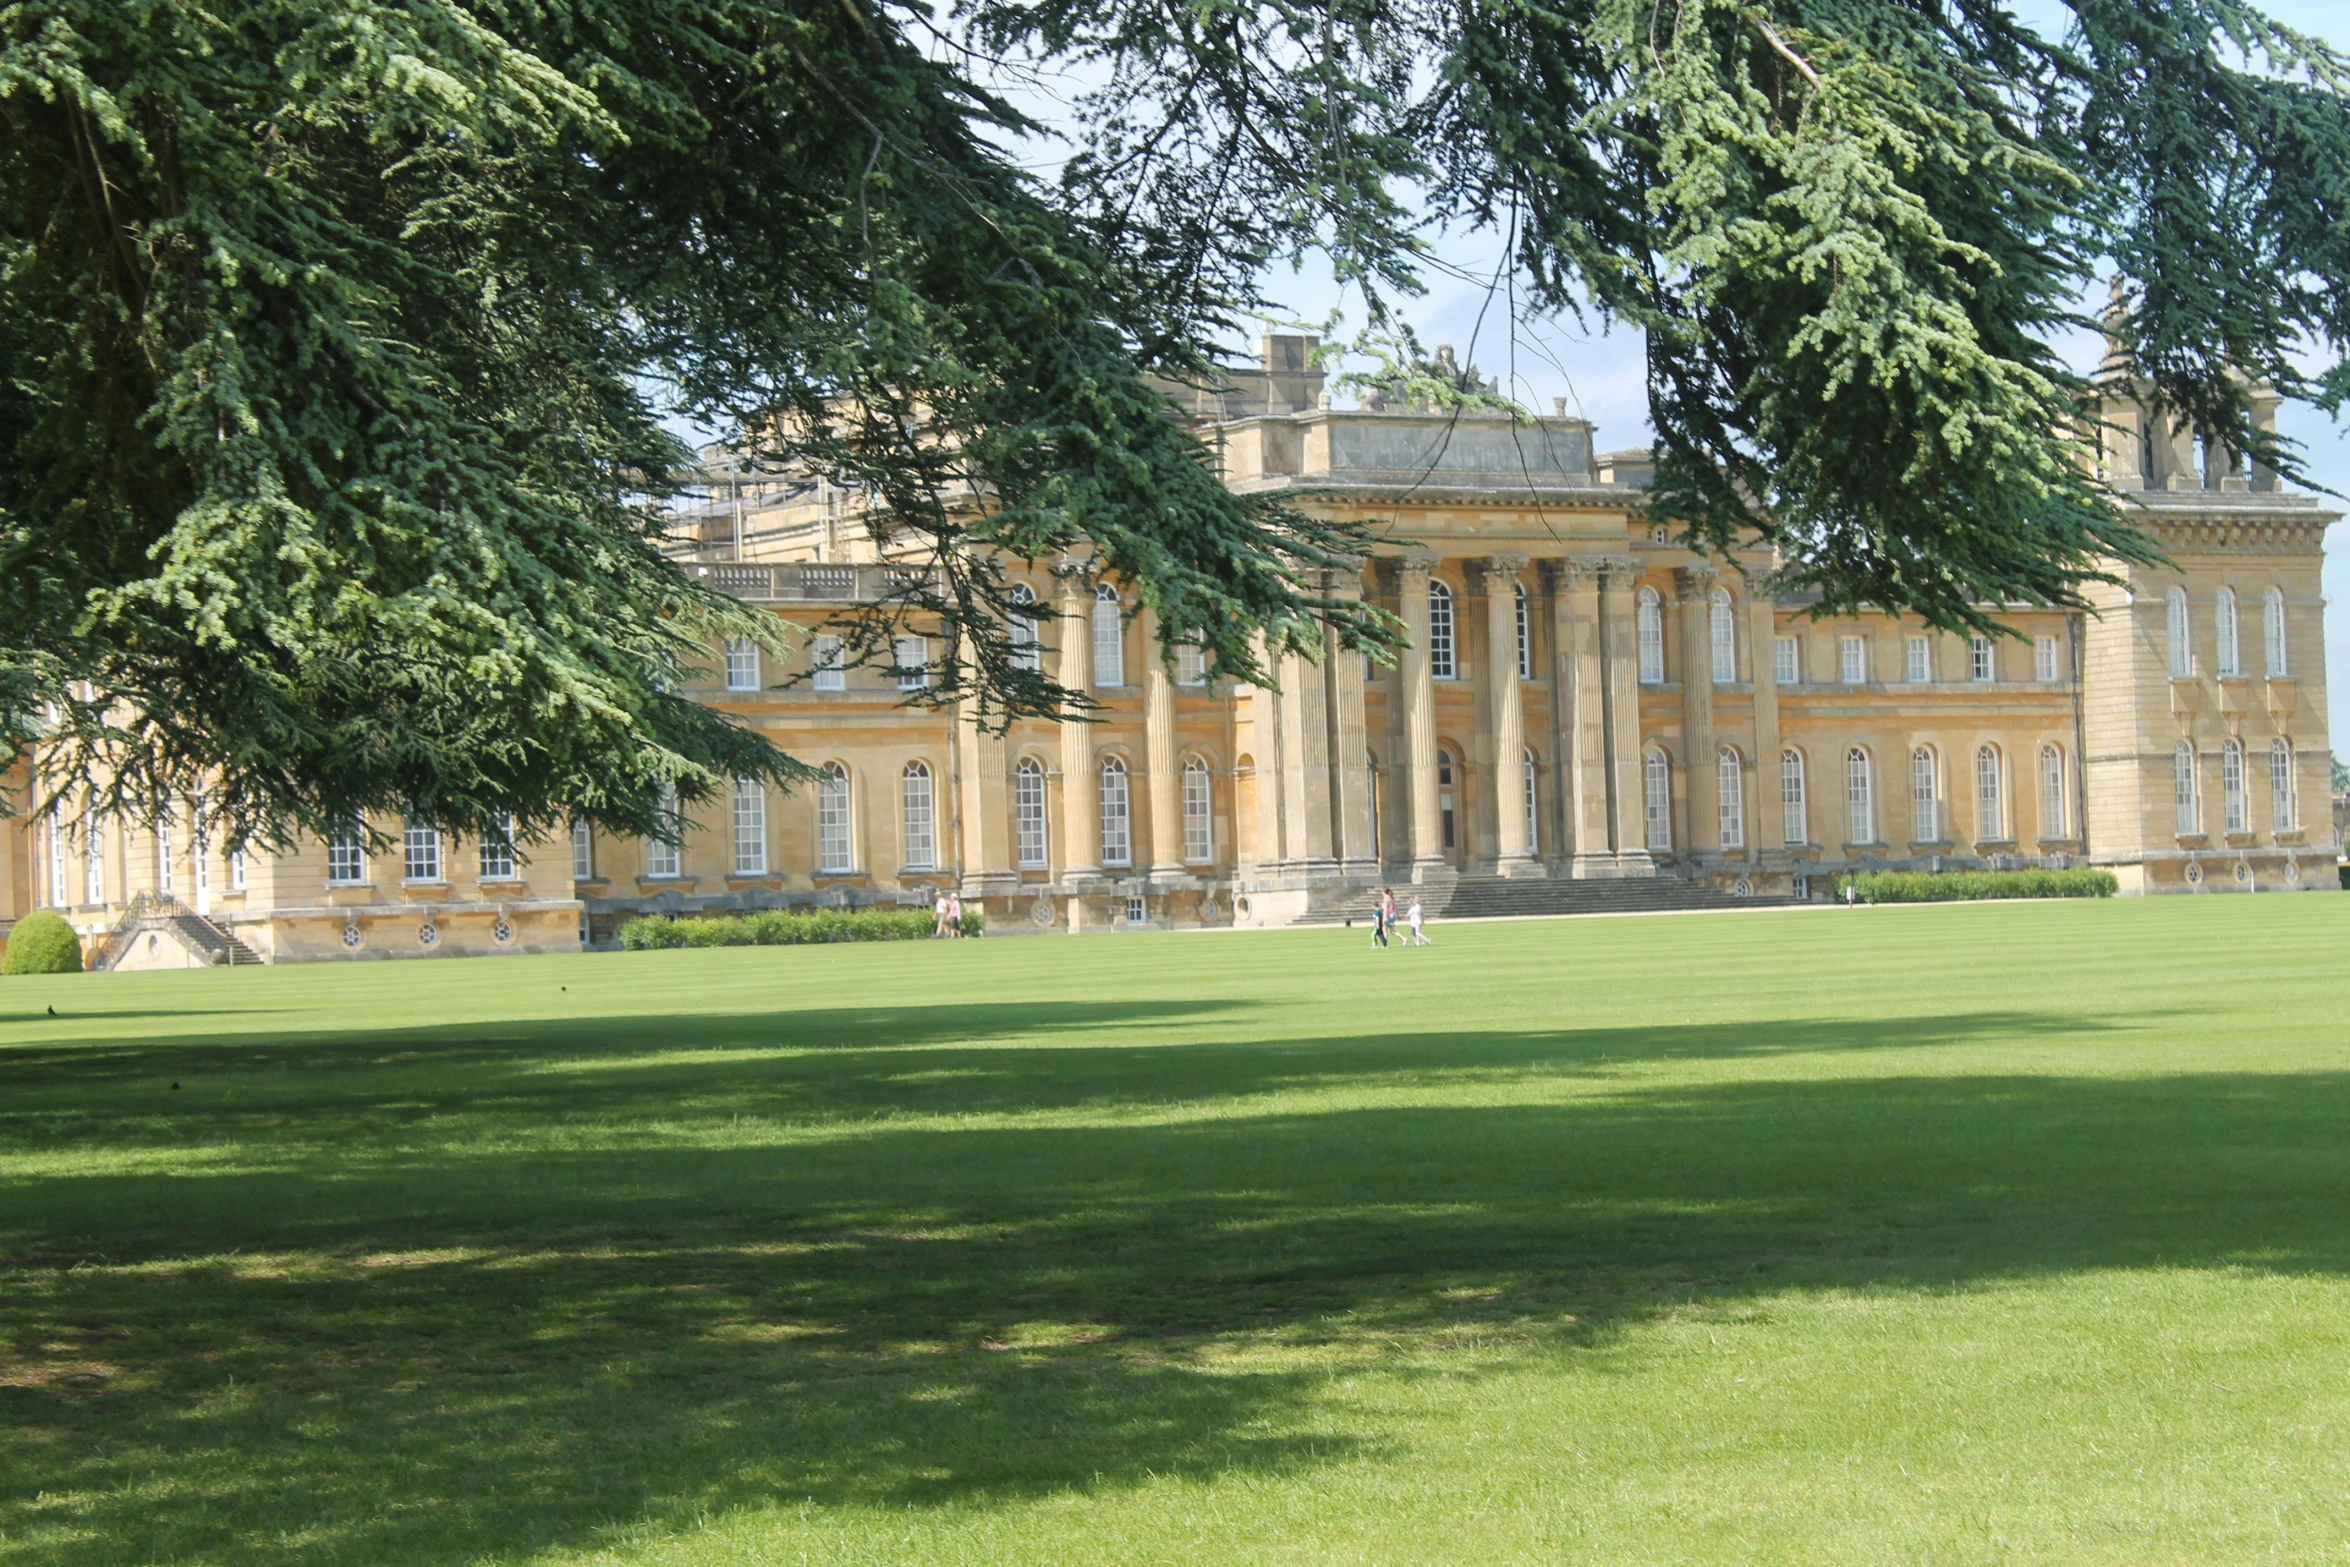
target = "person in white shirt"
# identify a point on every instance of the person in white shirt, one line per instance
(1419, 936)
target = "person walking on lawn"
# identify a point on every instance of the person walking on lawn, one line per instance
(1419, 936)
(1379, 915)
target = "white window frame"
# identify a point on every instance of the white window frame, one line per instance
(346, 856)
(750, 827)
(1990, 795)
(1443, 648)
(1656, 795)
(2052, 791)
(1117, 812)
(2178, 637)
(2236, 813)
(1026, 654)
(1852, 660)
(1030, 843)
(664, 853)
(583, 849)
(236, 870)
(1109, 639)
(1533, 806)
(1925, 795)
(1982, 660)
(1191, 662)
(94, 861)
(1199, 822)
(1794, 809)
(1860, 796)
(2284, 793)
(1648, 614)
(836, 846)
(1730, 797)
(2230, 647)
(2045, 667)
(421, 861)
(1788, 661)
(498, 858)
(742, 664)
(1920, 652)
(2186, 790)
(1722, 636)
(58, 896)
(166, 854)
(2277, 654)
(911, 658)
(827, 657)
(1525, 634)
(918, 815)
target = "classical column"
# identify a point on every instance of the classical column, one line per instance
(1350, 746)
(1305, 762)
(1158, 738)
(1419, 695)
(1081, 822)
(1583, 717)
(1619, 645)
(1770, 821)
(1693, 593)
(1508, 704)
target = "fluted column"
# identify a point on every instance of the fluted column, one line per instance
(1770, 819)
(1081, 823)
(1507, 703)
(1158, 738)
(1583, 718)
(1350, 748)
(1419, 695)
(1693, 594)
(1620, 660)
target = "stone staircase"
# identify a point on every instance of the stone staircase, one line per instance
(1503, 897)
(166, 915)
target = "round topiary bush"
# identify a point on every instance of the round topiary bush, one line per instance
(42, 943)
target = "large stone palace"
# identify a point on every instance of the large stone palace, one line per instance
(1582, 701)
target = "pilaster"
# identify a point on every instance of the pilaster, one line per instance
(1506, 701)
(1158, 732)
(1620, 660)
(1770, 820)
(1419, 687)
(1693, 593)
(1081, 824)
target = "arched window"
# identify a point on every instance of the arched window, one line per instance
(1656, 791)
(1117, 818)
(2223, 621)
(1441, 663)
(1199, 844)
(1724, 626)
(2182, 783)
(2231, 786)
(1648, 615)
(916, 808)
(2272, 630)
(2051, 792)
(1925, 797)
(1730, 797)
(1533, 828)
(2284, 810)
(833, 849)
(1109, 638)
(1990, 797)
(1795, 815)
(1028, 812)
(2182, 659)
(1444, 793)
(1860, 797)
(1023, 628)
(1525, 635)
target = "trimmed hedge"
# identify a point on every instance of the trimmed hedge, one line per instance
(42, 943)
(1966, 886)
(786, 928)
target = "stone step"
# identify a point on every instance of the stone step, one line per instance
(1499, 897)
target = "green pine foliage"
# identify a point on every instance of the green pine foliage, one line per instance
(42, 943)
(1970, 886)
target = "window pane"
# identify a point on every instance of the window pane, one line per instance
(1650, 617)
(750, 827)
(1921, 660)
(2272, 625)
(911, 655)
(825, 653)
(1990, 800)
(1197, 821)
(2224, 624)
(1525, 637)
(1724, 626)
(1730, 786)
(2231, 785)
(1788, 668)
(1028, 812)
(1853, 657)
(832, 821)
(497, 848)
(1657, 790)
(1109, 640)
(921, 838)
(1985, 659)
(1860, 807)
(422, 845)
(2175, 634)
(2283, 808)
(2044, 666)
(1441, 662)
(2051, 792)
(1117, 839)
(1925, 799)
(1795, 818)
(2183, 789)
(583, 850)
(742, 665)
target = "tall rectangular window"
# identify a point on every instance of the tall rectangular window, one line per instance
(236, 870)
(420, 847)
(1990, 796)
(1730, 792)
(750, 827)
(1921, 660)
(911, 655)
(1925, 797)
(1525, 636)
(1983, 659)
(2044, 665)
(497, 847)
(2182, 765)
(1656, 791)
(2223, 624)
(166, 854)
(1648, 614)
(1795, 816)
(920, 832)
(1443, 664)
(346, 856)
(583, 850)
(2284, 810)
(1852, 660)
(1786, 662)
(93, 861)
(742, 664)
(1028, 813)
(1722, 634)
(2231, 786)
(1197, 842)
(1860, 797)
(2181, 654)
(831, 673)
(2272, 627)
(833, 846)
(59, 895)
(664, 851)
(2051, 792)
(1191, 663)
(1117, 832)
(1109, 639)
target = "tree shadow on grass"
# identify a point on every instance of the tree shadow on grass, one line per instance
(432, 1352)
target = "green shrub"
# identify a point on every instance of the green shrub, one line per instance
(780, 928)
(1967, 886)
(974, 923)
(42, 943)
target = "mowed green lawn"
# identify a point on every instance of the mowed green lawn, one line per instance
(1959, 1234)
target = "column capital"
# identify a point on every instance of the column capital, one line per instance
(1614, 571)
(1696, 580)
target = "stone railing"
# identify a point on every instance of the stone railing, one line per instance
(806, 581)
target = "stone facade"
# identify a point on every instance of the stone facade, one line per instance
(1582, 698)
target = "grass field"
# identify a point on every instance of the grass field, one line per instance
(1991, 1233)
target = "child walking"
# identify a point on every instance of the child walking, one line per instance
(1419, 936)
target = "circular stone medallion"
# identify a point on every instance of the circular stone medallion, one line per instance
(1041, 911)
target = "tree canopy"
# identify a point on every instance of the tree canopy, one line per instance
(335, 335)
